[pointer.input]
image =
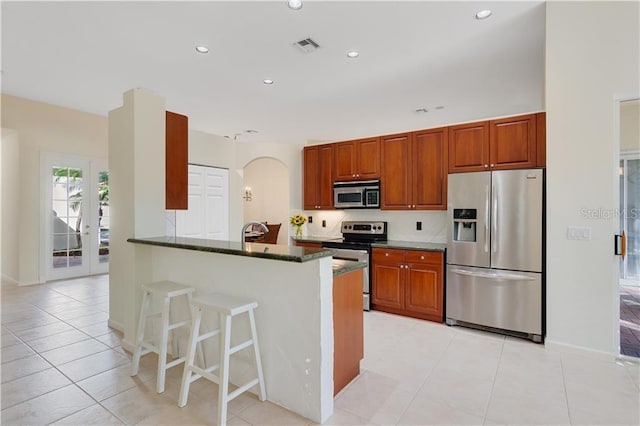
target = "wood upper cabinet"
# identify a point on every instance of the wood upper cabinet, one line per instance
(506, 143)
(357, 160)
(469, 147)
(408, 282)
(513, 142)
(429, 152)
(176, 161)
(395, 190)
(318, 177)
(541, 139)
(414, 170)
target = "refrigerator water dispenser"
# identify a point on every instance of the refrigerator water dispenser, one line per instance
(464, 225)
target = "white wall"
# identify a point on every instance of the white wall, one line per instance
(401, 225)
(10, 200)
(289, 155)
(630, 126)
(591, 57)
(269, 181)
(43, 127)
(137, 200)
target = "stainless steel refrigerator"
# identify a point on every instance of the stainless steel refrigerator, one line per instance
(494, 251)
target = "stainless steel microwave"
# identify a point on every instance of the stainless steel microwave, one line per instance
(357, 195)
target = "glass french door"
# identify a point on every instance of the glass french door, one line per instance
(76, 216)
(629, 290)
(630, 217)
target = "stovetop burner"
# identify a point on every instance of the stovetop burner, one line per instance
(359, 234)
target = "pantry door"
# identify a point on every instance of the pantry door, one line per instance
(75, 216)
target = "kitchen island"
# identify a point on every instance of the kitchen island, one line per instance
(294, 288)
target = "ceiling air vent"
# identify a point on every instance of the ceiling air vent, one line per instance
(307, 45)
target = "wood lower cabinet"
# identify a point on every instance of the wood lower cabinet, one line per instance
(318, 177)
(357, 160)
(414, 171)
(508, 143)
(409, 282)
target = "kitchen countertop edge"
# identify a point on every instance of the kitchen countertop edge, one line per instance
(391, 244)
(341, 267)
(264, 251)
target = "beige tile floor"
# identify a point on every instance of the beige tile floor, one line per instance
(61, 364)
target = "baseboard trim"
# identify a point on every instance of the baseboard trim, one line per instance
(127, 346)
(115, 325)
(579, 350)
(12, 281)
(9, 280)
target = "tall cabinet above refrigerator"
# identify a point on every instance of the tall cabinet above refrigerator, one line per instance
(495, 251)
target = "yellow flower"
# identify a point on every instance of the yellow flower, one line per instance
(298, 219)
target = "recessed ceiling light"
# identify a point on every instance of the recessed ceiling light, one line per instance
(202, 49)
(483, 14)
(353, 54)
(267, 81)
(294, 4)
(422, 110)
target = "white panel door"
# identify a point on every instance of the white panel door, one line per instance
(208, 212)
(216, 223)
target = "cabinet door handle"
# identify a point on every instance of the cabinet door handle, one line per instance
(492, 165)
(386, 254)
(421, 257)
(486, 166)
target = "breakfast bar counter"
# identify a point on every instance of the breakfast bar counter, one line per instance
(294, 289)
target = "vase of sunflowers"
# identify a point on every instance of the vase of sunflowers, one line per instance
(298, 220)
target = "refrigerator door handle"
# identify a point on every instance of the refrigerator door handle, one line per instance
(494, 220)
(486, 218)
(494, 276)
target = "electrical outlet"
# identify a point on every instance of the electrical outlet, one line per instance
(324, 223)
(310, 219)
(418, 226)
(578, 233)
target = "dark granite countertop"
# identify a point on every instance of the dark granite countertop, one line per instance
(265, 251)
(411, 245)
(316, 238)
(341, 266)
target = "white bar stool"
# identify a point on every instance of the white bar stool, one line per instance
(167, 290)
(226, 307)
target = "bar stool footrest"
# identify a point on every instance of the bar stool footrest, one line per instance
(240, 347)
(208, 335)
(243, 388)
(175, 362)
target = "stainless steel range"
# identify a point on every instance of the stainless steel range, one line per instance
(357, 238)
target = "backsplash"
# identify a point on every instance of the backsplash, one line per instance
(401, 225)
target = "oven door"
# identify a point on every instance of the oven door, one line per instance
(357, 256)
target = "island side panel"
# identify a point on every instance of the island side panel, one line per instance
(348, 328)
(294, 318)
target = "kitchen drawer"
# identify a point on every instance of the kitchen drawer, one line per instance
(423, 257)
(388, 255)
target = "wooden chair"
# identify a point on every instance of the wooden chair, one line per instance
(271, 237)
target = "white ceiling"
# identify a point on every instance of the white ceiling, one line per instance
(418, 54)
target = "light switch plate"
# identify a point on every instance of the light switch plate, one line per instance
(578, 233)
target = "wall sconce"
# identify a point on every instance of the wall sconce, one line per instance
(247, 193)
